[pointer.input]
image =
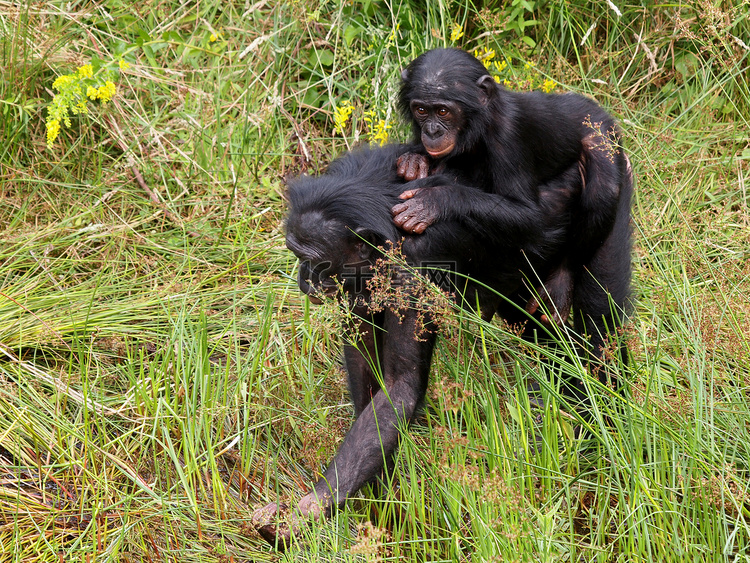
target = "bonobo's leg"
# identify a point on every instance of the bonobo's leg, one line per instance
(373, 438)
(607, 185)
(361, 354)
(601, 291)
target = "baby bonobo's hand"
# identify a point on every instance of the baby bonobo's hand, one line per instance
(416, 213)
(412, 166)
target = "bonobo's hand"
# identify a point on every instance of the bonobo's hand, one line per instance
(416, 213)
(412, 166)
(277, 524)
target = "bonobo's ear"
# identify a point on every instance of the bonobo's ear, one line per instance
(487, 86)
(405, 74)
(366, 240)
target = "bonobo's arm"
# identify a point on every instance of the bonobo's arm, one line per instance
(374, 436)
(505, 220)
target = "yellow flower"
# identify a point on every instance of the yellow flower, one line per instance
(86, 71)
(341, 116)
(457, 32)
(53, 130)
(106, 93)
(73, 93)
(548, 85)
(124, 65)
(378, 128)
(213, 38)
(62, 81)
(486, 56)
(379, 132)
(392, 35)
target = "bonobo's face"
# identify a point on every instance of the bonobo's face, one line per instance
(440, 122)
(331, 256)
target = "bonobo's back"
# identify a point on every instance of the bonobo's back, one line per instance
(358, 189)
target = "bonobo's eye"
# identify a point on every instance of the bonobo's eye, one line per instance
(443, 112)
(420, 111)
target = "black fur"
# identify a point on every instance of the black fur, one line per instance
(333, 221)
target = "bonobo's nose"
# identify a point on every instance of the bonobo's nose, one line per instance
(432, 130)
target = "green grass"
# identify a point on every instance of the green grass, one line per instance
(161, 377)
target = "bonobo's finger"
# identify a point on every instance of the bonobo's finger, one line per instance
(414, 225)
(310, 506)
(412, 166)
(405, 221)
(398, 209)
(276, 525)
(400, 219)
(408, 194)
(401, 165)
(418, 167)
(404, 167)
(267, 514)
(411, 170)
(408, 225)
(424, 169)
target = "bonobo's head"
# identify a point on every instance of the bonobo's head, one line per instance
(446, 93)
(338, 221)
(331, 255)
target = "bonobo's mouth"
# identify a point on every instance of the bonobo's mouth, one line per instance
(438, 150)
(318, 293)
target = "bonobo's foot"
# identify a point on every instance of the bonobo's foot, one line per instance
(277, 524)
(557, 295)
(556, 316)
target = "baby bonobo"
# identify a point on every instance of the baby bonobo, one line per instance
(512, 147)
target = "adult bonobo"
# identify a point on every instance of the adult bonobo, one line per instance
(335, 225)
(516, 146)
